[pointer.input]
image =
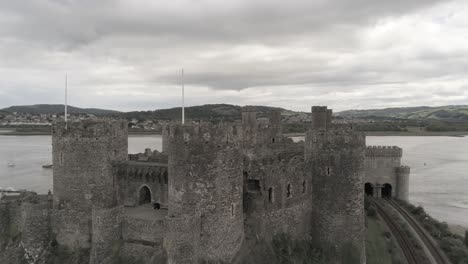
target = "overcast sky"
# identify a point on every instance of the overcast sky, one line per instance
(127, 55)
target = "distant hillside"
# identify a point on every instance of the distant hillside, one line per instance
(202, 112)
(56, 108)
(446, 113)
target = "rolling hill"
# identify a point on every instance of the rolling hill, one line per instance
(56, 108)
(445, 113)
(202, 112)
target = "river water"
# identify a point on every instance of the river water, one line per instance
(438, 180)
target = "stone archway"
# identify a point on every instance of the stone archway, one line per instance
(144, 195)
(369, 189)
(387, 190)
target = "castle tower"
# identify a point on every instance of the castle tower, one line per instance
(335, 160)
(402, 174)
(83, 153)
(205, 219)
(249, 127)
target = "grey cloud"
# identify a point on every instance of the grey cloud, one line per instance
(290, 53)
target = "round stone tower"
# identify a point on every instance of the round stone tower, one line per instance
(402, 174)
(205, 193)
(83, 153)
(335, 160)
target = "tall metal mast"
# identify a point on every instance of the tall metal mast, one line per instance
(66, 103)
(183, 98)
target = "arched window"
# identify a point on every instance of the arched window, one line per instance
(165, 177)
(232, 210)
(270, 194)
(328, 171)
(144, 195)
(288, 191)
(304, 187)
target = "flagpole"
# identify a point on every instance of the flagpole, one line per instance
(66, 103)
(183, 98)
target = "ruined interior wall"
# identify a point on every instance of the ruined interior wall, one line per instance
(132, 176)
(269, 213)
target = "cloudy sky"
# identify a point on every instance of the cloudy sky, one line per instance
(127, 55)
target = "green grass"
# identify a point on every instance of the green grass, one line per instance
(377, 245)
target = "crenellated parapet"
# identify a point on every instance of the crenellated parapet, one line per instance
(204, 136)
(90, 129)
(403, 169)
(383, 151)
(149, 156)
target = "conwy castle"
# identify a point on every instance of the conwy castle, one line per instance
(213, 189)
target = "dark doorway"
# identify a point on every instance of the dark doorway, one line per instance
(145, 195)
(369, 189)
(387, 191)
(253, 185)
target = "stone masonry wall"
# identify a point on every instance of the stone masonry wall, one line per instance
(335, 160)
(132, 176)
(83, 153)
(277, 196)
(381, 165)
(205, 168)
(106, 233)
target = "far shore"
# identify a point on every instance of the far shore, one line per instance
(12, 132)
(406, 134)
(41, 133)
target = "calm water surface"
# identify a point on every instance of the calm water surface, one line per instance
(439, 168)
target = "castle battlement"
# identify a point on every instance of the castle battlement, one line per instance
(383, 151)
(403, 169)
(206, 134)
(90, 128)
(340, 136)
(316, 109)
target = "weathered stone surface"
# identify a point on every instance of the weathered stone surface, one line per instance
(214, 188)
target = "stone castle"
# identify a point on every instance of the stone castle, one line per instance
(212, 189)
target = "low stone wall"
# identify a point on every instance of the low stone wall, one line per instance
(35, 228)
(147, 232)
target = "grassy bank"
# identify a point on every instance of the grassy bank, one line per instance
(452, 244)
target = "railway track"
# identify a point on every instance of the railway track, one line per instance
(431, 245)
(406, 245)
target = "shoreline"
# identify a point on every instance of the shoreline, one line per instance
(15, 133)
(402, 134)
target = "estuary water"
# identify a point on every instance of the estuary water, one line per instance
(438, 180)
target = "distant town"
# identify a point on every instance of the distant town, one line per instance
(444, 120)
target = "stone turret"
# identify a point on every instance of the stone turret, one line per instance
(402, 174)
(205, 220)
(335, 160)
(83, 153)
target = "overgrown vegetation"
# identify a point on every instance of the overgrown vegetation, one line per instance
(381, 246)
(452, 244)
(9, 232)
(282, 250)
(59, 254)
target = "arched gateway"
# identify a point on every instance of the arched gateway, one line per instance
(144, 196)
